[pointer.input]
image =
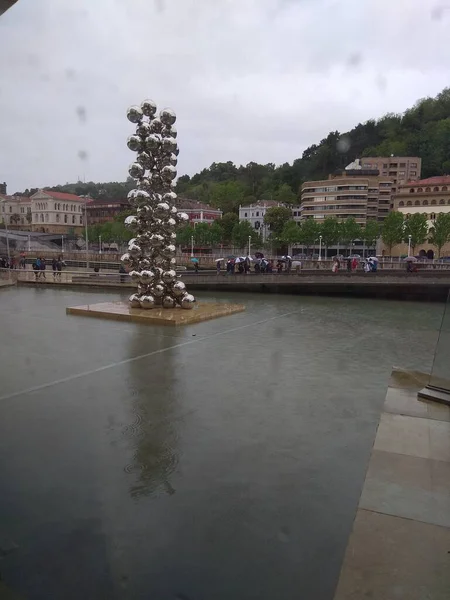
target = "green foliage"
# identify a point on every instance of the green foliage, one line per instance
(349, 231)
(112, 231)
(440, 232)
(393, 230)
(276, 217)
(227, 222)
(330, 230)
(285, 195)
(416, 226)
(241, 232)
(371, 232)
(309, 232)
(291, 233)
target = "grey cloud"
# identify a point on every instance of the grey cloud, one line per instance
(249, 79)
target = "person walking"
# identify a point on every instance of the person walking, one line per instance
(218, 267)
(54, 267)
(43, 267)
(59, 265)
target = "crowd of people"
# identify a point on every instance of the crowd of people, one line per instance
(370, 265)
(40, 266)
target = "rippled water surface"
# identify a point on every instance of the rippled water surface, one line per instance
(218, 461)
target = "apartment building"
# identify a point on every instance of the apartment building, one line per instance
(358, 193)
(427, 196)
(57, 212)
(400, 169)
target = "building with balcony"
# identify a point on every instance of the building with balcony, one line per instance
(400, 169)
(57, 212)
(427, 196)
(360, 193)
(104, 210)
(254, 214)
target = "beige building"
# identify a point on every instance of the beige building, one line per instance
(358, 193)
(428, 196)
(400, 169)
(57, 212)
(15, 212)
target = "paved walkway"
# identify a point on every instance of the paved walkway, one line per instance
(400, 544)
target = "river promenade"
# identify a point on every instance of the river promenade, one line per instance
(428, 285)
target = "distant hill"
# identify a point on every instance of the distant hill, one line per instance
(423, 130)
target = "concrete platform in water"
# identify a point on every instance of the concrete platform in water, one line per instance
(120, 311)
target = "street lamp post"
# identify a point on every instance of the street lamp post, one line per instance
(100, 244)
(62, 244)
(192, 246)
(409, 244)
(86, 235)
(320, 247)
(249, 244)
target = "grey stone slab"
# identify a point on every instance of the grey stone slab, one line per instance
(406, 379)
(404, 402)
(408, 486)
(390, 558)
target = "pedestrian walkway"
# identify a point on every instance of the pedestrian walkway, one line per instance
(400, 544)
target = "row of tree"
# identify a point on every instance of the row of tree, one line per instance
(414, 231)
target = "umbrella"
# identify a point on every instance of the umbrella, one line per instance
(410, 259)
(250, 258)
(231, 256)
(194, 260)
(373, 258)
(259, 255)
(219, 259)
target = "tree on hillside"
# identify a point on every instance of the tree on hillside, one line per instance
(392, 232)
(184, 234)
(440, 232)
(215, 233)
(416, 226)
(276, 217)
(330, 231)
(371, 233)
(350, 231)
(285, 195)
(202, 234)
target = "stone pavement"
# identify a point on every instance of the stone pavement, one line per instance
(400, 544)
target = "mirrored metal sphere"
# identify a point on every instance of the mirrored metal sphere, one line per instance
(169, 145)
(156, 126)
(143, 129)
(187, 301)
(144, 263)
(146, 277)
(136, 170)
(183, 216)
(173, 160)
(148, 107)
(169, 172)
(134, 301)
(145, 160)
(134, 143)
(158, 290)
(169, 276)
(135, 276)
(147, 302)
(162, 209)
(126, 259)
(144, 184)
(168, 302)
(167, 116)
(152, 143)
(130, 222)
(134, 114)
(169, 197)
(134, 250)
(179, 289)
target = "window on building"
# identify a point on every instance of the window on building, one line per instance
(257, 213)
(428, 189)
(10, 209)
(81, 219)
(65, 218)
(401, 203)
(433, 217)
(435, 189)
(425, 203)
(433, 202)
(417, 203)
(57, 217)
(420, 189)
(402, 165)
(413, 165)
(73, 219)
(385, 166)
(245, 214)
(444, 188)
(42, 218)
(409, 203)
(46, 217)
(413, 173)
(401, 173)
(411, 191)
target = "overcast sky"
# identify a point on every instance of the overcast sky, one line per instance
(249, 79)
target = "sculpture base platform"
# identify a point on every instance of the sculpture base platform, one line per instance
(120, 311)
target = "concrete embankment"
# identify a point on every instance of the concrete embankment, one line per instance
(426, 285)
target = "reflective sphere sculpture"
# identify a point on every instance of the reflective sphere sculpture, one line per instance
(134, 114)
(151, 254)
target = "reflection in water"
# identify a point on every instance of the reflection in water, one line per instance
(151, 434)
